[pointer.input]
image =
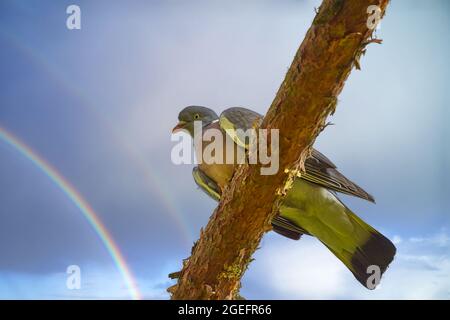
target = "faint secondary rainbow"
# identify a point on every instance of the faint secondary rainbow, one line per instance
(82, 204)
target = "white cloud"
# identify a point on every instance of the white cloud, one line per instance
(441, 239)
(297, 270)
(396, 239)
(100, 282)
(325, 281)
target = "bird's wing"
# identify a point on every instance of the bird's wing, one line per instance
(205, 183)
(236, 121)
(287, 228)
(319, 169)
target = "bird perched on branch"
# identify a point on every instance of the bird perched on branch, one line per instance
(311, 207)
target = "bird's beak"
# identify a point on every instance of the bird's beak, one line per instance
(180, 126)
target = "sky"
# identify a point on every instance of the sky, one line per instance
(98, 105)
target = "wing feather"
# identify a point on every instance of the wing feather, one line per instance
(319, 169)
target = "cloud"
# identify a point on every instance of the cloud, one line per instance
(297, 270)
(99, 282)
(283, 269)
(397, 239)
(440, 239)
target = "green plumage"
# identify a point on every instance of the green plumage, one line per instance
(324, 216)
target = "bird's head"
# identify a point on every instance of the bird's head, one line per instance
(189, 115)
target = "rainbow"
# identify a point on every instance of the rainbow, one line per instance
(154, 181)
(82, 204)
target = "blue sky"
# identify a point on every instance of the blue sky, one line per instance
(99, 104)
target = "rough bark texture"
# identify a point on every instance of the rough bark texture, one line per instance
(331, 48)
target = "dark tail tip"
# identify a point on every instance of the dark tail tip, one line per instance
(372, 259)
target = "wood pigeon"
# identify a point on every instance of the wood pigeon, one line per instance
(310, 207)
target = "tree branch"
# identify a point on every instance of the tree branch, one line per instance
(332, 46)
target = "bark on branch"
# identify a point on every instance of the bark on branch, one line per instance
(331, 48)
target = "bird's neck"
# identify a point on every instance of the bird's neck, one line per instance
(197, 141)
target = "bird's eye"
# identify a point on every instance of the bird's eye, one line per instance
(196, 116)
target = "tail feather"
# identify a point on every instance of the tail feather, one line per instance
(286, 232)
(377, 251)
(374, 254)
(320, 213)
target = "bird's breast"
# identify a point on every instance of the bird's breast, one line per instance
(220, 173)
